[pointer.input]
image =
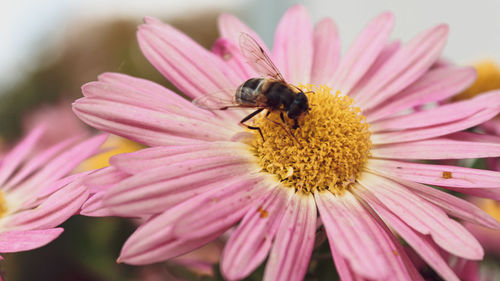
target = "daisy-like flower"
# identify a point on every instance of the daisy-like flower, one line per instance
(353, 159)
(36, 191)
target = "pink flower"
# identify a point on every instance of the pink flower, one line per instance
(353, 159)
(68, 124)
(493, 127)
(489, 238)
(466, 270)
(36, 193)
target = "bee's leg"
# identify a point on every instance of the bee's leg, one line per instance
(290, 133)
(284, 122)
(282, 117)
(250, 116)
(295, 124)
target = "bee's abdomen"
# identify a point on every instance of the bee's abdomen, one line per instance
(248, 93)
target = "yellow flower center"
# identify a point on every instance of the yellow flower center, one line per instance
(327, 151)
(115, 145)
(491, 207)
(488, 78)
(3, 205)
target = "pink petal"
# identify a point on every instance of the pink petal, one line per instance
(439, 148)
(440, 175)
(155, 240)
(14, 158)
(363, 52)
(144, 91)
(231, 27)
(293, 246)
(158, 189)
(453, 205)
(37, 161)
(417, 241)
(230, 53)
(250, 243)
(474, 137)
(492, 193)
(147, 126)
(56, 209)
(163, 250)
(448, 113)
(17, 241)
(103, 179)
(150, 158)
(492, 126)
(125, 91)
(387, 52)
(222, 208)
(404, 67)
(402, 267)
(192, 69)
(60, 166)
(351, 235)
(434, 85)
(326, 51)
(341, 264)
(60, 184)
(435, 131)
(423, 216)
(94, 207)
(293, 45)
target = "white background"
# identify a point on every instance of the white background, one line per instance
(28, 25)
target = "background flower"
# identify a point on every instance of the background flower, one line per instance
(36, 192)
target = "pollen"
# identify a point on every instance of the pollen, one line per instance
(327, 151)
(263, 213)
(447, 175)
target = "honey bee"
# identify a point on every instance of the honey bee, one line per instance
(270, 92)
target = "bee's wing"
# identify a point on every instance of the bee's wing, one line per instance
(257, 57)
(214, 101)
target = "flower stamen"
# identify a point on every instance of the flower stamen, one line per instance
(334, 144)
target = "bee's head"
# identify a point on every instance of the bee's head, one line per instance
(298, 106)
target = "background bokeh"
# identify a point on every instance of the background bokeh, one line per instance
(50, 48)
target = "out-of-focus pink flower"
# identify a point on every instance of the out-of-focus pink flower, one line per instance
(36, 191)
(489, 238)
(206, 174)
(59, 121)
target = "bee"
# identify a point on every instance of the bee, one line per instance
(270, 92)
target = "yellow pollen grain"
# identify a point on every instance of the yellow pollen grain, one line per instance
(447, 175)
(331, 147)
(3, 204)
(263, 213)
